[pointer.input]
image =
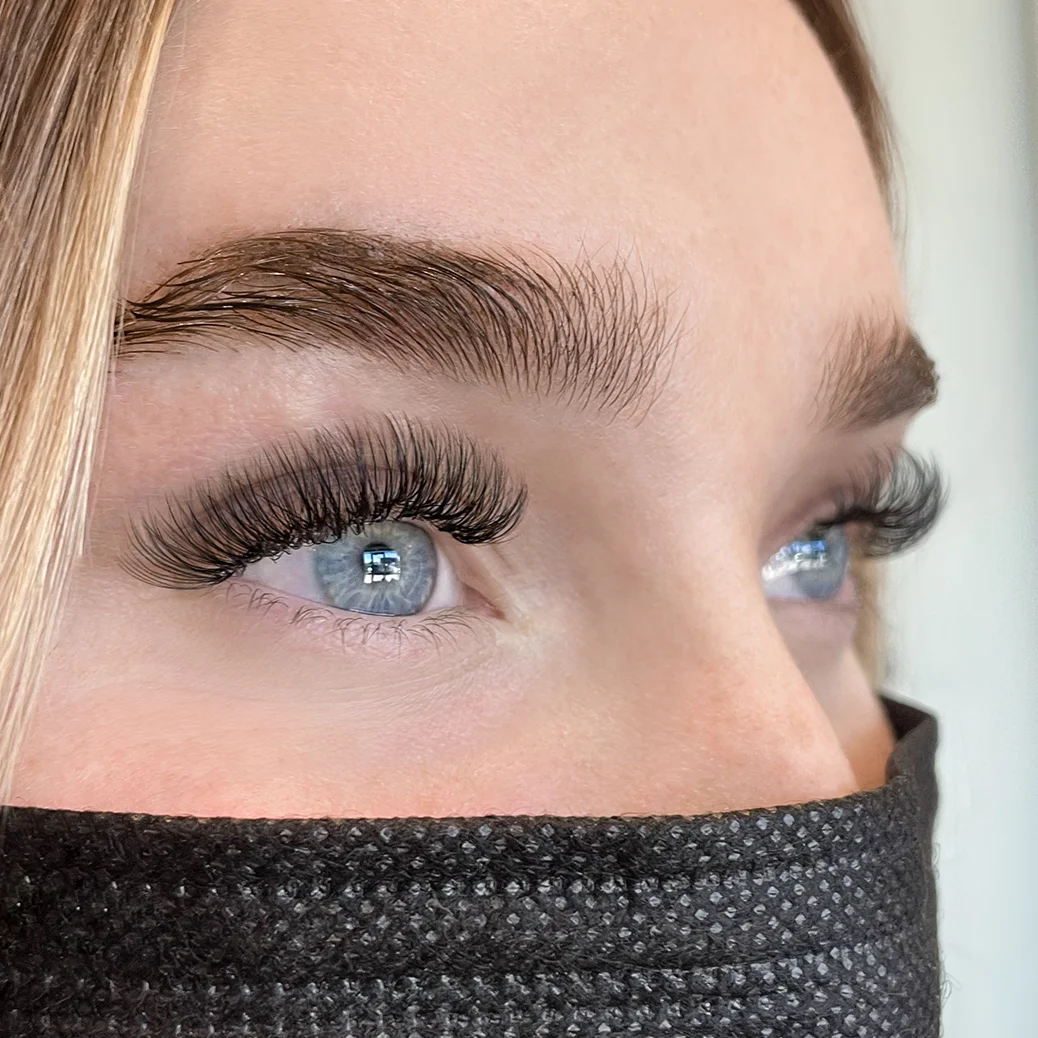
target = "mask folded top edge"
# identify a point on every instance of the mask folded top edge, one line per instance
(792, 914)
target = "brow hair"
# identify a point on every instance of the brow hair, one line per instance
(588, 334)
(875, 370)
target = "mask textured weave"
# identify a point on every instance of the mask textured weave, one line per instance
(814, 920)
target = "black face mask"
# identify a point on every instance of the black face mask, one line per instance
(816, 920)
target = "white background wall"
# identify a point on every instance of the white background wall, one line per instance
(964, 611)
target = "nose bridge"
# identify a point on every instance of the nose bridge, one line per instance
(715, 697)
(682, 606)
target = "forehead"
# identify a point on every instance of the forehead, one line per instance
(667, 122)
(709, 139)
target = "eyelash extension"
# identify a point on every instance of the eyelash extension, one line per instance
(896, 507)
(316, 489)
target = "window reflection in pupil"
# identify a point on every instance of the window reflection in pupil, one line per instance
(381, 563)
(803, 556)
(360, 572)
(810, 554)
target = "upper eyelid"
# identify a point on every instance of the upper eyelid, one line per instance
(909, 508)
(899, 509)
(337, 478)
(865, 496)
(246, 494)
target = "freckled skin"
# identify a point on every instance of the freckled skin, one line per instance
(707, 141)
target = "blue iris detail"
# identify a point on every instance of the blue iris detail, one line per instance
(386, 569)
(813, 567)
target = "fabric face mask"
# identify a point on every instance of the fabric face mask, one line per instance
(816, 920)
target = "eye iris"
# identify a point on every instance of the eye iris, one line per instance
(814, 566)
(387, 569)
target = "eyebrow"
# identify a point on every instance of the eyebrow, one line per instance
(875, 370)
(588, 334)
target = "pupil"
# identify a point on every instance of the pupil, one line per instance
(381, 563)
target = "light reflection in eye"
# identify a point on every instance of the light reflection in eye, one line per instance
(387, 569)
(811, 567)
(391, 568)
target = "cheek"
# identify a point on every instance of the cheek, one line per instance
(820, 638)
(670, 723)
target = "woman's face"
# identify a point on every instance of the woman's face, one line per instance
(631, 326)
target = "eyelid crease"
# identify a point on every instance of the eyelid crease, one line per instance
(316, 488)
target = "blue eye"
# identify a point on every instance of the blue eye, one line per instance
(387, 569)
(813, 566)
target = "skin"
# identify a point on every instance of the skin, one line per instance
(711, 142)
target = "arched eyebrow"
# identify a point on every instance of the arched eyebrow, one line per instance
(589, 334)
(874, 371)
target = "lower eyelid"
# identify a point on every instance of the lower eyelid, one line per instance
(829, 622)
(829, 630)
(363, 638)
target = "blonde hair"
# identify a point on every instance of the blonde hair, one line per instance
(75, 80)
